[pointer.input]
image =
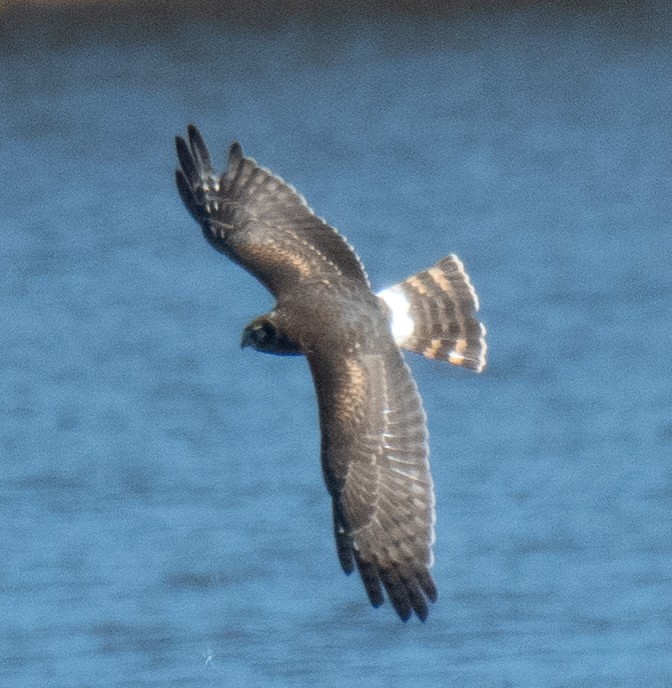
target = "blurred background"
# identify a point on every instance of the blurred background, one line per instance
(164, 521)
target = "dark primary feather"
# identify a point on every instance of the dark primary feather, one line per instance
(259, 220)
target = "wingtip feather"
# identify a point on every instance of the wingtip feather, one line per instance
(199, 149)
(183, 187)
(235, 152)
(186, 159)
(371, 581)
(193, 132)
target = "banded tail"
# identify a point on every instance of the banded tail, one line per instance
(434, 314)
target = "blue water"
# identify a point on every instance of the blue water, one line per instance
(163, 517)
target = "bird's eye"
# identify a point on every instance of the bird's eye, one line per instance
(266, 332)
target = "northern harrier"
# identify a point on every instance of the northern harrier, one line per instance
(374, 436)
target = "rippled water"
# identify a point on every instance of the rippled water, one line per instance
(163, 516)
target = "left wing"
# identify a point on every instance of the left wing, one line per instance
(375, 462)
(259, 220)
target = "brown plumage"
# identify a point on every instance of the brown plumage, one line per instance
(374, 436)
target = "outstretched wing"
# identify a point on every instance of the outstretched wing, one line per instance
(259, 220)
(375, 461)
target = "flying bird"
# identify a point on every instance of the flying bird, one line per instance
(374, 447)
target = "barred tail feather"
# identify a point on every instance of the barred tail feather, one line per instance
(434, 314)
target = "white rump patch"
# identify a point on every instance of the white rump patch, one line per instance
(401, 323)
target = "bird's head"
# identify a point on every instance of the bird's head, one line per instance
(264, 334)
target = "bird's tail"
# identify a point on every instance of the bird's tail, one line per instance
(434, 314)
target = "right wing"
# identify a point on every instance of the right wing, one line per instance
(259, 220)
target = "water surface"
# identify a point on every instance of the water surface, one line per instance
(164, 518)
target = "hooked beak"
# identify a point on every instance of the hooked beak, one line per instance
(246, 339)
